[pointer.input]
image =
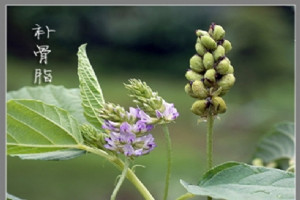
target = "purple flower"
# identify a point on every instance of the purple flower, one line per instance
(141, 127)
(169, 114)
(109, 125)
(133, 113)
(145, 117)
(129, 144)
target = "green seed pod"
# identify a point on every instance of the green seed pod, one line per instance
(199, 107)
(208, 42)
(210, 77)
(188, 90)
(201, 33)
(226, 82)
(230, 70)
(219, 52)
(223, 66)
(193, 76)
(219, 105)
(208, 60)
(200, 49)
(199, 89)
(196, 63)
(227, 46)
(218, 33)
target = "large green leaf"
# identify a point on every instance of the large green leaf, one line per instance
(90, 90)
(67, 99)
(34, 127)
(277, 144)
(235, 181)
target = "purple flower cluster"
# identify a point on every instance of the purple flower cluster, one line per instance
(130, 137)
(168, 114)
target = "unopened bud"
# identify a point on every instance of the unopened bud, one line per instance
(200, 49)
(223, 66)
(208, 60)
(226, 82)
(193, 76)
(201, 33)
(219, 52)
(210, 76)
(227, 46)
(199, 107)
(208, 42)
(230, 69)
(199, 90)
(196, 64)
(188, 90)
(258, 162)
(218, 32)
(219, 105)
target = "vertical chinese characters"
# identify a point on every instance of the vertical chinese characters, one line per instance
(42, 52)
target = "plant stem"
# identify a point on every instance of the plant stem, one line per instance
(169, 164)
(186, 196)
(121, 180)
(209, 143)
(120, 165)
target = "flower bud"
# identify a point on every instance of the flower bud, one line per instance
(199, 107)
(196, 64)
(230, 70)
(208, 42)
(227, 46)
(208, 60)
(219, 52)
(210, 77)
(199, 89)
(223, 66)
(258, 162)
(219, 105)
(226, 82)
(188, 90)
(218, 32)
(200, 49)
(201, 33)
(193, 76)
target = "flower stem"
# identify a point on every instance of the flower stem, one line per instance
(169, 164)
(121, 180)
(186, 196)
(120, 165)
(209, 143)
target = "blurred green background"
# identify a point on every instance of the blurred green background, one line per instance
(153, 43)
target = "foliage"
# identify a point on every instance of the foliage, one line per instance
(233, 180)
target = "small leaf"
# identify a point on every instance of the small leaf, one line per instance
(235, 181)
(277, 144)
(67, 99)
(35, 127)
(90, 90)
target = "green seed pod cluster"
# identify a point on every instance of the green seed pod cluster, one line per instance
(210, 74)
(92, 137)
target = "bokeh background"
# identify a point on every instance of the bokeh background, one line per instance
(154, 43)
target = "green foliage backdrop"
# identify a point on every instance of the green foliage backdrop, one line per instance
(154, 43)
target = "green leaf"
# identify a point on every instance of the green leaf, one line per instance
(90, 90)
(67, 99)
(12, 197)
(34, 127)
(235, 181)
(277, 144)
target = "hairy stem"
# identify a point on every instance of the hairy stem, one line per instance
(121, 180)
(186, 196)
(209, 143)
(130, 175)
(169, 164)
